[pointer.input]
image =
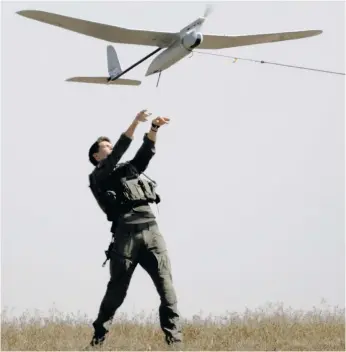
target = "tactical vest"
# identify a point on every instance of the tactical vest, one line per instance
(127, 193)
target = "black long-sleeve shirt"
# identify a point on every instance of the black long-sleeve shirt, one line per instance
(104, 176)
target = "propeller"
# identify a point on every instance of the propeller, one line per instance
(207, 12)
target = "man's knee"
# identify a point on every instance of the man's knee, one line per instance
(118, 286)
(168, 296)
(121, 270)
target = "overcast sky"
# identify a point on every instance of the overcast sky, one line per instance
(250, 170)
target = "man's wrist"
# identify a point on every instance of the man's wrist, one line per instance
(154, 127)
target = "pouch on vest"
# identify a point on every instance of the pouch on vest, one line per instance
(137, 190)
(148, 189)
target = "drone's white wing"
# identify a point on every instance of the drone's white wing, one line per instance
(102, 31)
(220, 42)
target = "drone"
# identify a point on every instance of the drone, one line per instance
(174, 46)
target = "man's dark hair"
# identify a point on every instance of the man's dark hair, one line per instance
(95, 148)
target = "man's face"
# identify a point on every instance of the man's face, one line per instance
(105, 148)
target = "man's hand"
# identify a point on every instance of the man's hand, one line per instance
(159, 121)
(143, 115)
(156, 124)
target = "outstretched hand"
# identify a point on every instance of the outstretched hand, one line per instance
(143, 115)
(159, 121)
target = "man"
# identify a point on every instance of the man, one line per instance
(125, 198)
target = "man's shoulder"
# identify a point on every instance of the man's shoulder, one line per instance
(92, 174)
(96, 171)
(99, 167)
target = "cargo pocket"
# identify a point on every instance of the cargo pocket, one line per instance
(163, 263)
(124, 250)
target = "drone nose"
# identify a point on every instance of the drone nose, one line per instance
(149, 72)
(152, 69)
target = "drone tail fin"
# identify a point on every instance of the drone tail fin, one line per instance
(114, 67)
(114, 70)
(105, 81)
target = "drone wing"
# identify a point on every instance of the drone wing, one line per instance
(220, 42)
(102, 31)
(104, 80)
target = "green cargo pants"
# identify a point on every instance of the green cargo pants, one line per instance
(140, 244)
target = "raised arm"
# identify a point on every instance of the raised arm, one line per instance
(142, 116)
(121, 146)
(147, 150)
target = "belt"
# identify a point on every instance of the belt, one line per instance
(134, 227)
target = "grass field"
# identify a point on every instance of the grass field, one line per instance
(266, 329)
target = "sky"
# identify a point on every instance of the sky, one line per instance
(250, 170)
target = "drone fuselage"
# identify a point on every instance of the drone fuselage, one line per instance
(167, 58)
(187, 39)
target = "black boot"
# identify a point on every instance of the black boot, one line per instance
(174, 344)
(99, 336)
(97, 341)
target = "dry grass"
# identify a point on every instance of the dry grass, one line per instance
(265, 329)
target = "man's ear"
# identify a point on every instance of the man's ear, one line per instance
(96, 156)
